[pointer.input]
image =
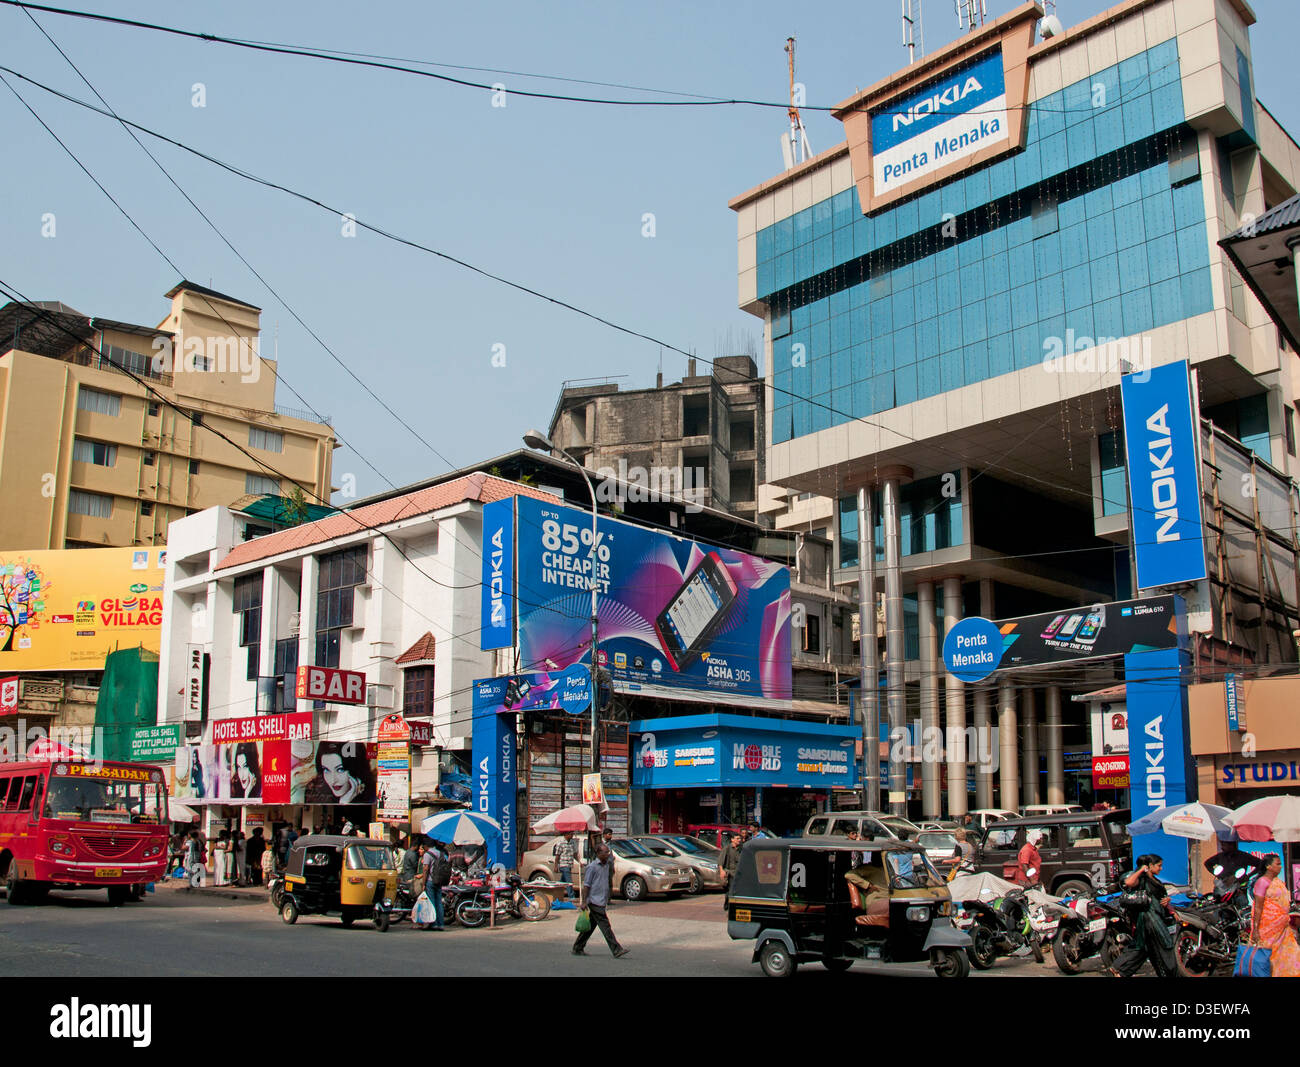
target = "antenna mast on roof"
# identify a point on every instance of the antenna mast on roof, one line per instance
(794, 145)
(913, 29)
(971, 14)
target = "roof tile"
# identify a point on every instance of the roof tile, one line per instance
(477, 488)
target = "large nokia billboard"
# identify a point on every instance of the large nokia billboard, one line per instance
(676, 618)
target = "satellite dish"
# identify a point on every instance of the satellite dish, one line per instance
(1050, 26)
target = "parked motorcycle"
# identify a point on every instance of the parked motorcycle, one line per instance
(999, 928)
(1211, 926)
(475, 903)
(1086, 928)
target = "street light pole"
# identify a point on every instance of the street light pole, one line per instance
(538, 440)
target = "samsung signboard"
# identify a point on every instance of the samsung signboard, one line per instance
(1163, 475)
(945, 122)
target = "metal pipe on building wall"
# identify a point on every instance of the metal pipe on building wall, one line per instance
(955, 709)
(931, 800)
(895, 646)
(1008, 767)
(1055, 748)
(869, 653)
(1030, 774)
(984, 739)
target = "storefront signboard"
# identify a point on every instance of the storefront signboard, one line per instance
(1258, 772)
(1091, 631)
(494, 773)
(331, 685)
(498, 609)
(9, 695)
(394, 784)
(156, 744)
(1110, 772)
(1235, 698)
(740, 751)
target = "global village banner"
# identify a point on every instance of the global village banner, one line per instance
(67, 609)
(677, 619)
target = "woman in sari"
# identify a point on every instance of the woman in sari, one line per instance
(1271, 925)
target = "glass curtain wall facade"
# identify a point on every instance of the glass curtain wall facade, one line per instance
(1095, 230)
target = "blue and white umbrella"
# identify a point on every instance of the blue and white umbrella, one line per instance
(1201, 822)
(461, 828)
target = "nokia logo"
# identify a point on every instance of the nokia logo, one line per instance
(933, 104)
(1164, 490)
(484, 779)
(498, 580)
(1155, 769)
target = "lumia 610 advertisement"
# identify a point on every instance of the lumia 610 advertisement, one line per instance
(675, 617)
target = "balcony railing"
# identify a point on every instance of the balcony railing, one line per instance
(306, 416)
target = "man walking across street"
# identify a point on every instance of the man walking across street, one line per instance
(595, 898)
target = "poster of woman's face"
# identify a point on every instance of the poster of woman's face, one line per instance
(333, 772)
(215, 764)
(246, 772)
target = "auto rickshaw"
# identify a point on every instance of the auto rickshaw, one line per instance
(841, 902)
(352, 877)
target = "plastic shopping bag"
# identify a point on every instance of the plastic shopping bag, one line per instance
(583, 925)
(423, 912)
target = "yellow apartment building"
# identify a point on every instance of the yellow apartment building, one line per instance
(91, 458)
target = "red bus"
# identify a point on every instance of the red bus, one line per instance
(72, 824)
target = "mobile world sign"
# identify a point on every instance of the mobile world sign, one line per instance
(677, 619)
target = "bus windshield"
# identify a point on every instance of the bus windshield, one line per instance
(102, 800)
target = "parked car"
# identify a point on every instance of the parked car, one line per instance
(638, 872)
(699, 857)
(1082, 852)
(940, 826)
(868, 824)
(1049, 809)
(982, 817)
(718, 834)
(940, 848)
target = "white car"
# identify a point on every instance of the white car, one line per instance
(1049, 809)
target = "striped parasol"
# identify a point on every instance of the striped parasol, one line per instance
(461, 828)
(1267, 819)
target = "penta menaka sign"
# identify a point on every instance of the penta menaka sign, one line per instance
(1072, 634)
(331, 685)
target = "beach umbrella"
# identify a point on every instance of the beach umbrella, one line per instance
(1267, 819)
(461, 827)
(568, 820)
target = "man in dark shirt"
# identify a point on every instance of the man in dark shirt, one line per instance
(253, 855)
(595, 898)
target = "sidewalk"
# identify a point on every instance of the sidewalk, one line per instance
(179, 886)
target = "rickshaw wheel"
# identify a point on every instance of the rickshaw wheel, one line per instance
(289, 912)
(949, 963)
(982, 952)
(776, 960)
(836, 965)
(381, 921)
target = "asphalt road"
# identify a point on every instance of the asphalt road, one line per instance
(177, 933)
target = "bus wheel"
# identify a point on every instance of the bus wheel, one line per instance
(118, 894)
(15, 888)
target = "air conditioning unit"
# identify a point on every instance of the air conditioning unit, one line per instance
(295, 624)
(380, 696)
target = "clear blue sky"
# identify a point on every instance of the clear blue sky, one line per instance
(550, 194)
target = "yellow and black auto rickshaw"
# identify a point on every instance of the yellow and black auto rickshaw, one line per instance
(839, 902)
(352, 877)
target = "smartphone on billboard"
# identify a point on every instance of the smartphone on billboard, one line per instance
(695, 612)
(1071, 624)
(1055, 625)
(1091, 628)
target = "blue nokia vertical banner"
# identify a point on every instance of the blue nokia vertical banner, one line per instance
(498, 620)
(1160, 764)
(495, 777)
(1163, 476)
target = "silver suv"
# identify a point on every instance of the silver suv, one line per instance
(868, 824)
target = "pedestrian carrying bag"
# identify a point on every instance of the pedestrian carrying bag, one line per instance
(1253, 962)
(583, 925)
